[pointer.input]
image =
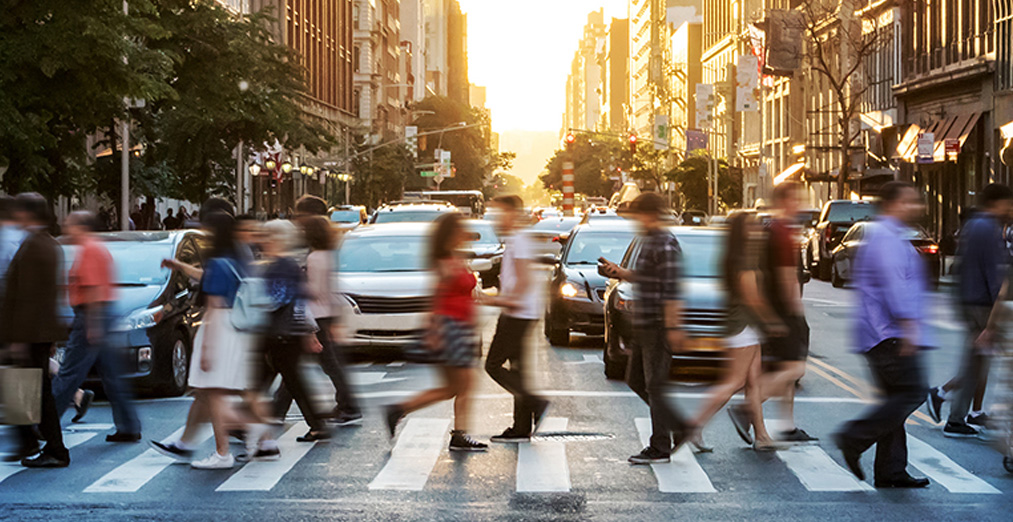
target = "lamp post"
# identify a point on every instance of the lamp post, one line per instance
(347, 178)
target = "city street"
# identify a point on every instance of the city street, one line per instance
(576, 471)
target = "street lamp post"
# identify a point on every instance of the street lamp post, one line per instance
(347, 178)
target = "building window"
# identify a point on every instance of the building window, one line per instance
(355, 58)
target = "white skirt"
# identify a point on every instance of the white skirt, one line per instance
(231, 354)
(747, 337)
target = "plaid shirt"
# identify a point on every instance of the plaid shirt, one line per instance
(656, 277)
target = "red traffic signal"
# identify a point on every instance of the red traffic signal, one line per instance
(569, 140)
(633, 143)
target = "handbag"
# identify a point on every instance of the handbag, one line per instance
(21, 395)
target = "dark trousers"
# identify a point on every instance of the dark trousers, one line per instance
(647, 375)
(38, 357)
(332, 362)
(902, 380)
(282, 354)
(78, 359)
(974, 368)
(508, 346)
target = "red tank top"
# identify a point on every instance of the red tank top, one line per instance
(453, 295)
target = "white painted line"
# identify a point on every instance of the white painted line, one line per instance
(69, 440)
(88, 427)
(541, 464)
(396, 364)
(601, 394)
(133, 474)
(264, 475)
(414, 456)
(818, 472)
(683, 474)
(943, 470)
(588, 359)
(371, 378)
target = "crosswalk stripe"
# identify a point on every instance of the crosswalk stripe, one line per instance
(683, 473)
(69, 440)
(818, 472)
(943, 470)
(264, 475)
(541, 464)
(414, 456)
(133, 474)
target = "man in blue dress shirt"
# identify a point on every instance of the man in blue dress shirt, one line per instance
(890, 331)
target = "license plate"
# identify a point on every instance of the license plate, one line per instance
(704, 344)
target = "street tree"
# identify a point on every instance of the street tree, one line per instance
(596, 158)
(381, 175)
(691, 176)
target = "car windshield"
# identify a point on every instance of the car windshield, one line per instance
(382, 254)
(408, 216)
(917, 233)
(701, 254)
(485, 233)
(555, 225)
(345, 216)
(586, 247)
(137, 264)
(850, 212)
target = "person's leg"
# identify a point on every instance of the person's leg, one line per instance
(217, 408)
(666, 421)
(503, 364)
(794, 370)
(460, 380)
(198, 415)
(38, 354)
(734, 379)
(978, 404)
(120, 395)
(333, 364)
(754, 397)
(78, 359)
(284, 354)
(635, 378)
(891, 454)
(974, 364)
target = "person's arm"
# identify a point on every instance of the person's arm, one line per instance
(668, 266)
(786, 273)
(190, 271)
(895, 281)
(751, 297)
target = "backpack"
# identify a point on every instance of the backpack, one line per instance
(252, 307)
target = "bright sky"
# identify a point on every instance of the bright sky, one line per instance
(521, 51)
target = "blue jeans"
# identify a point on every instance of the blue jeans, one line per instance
(80, 357)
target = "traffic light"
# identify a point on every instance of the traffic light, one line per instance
(570, 139)
(633, 144)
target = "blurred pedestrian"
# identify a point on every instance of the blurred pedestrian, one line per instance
(450, 334)
(892, 290)
(749, 319)
(781, 272)
(657, 324)
(220, 363)
(983, 265)
(90, 294)
(29, 323)
(169, 223)
(11, 236)
(520, 297)
(82, 398)
(319, 236)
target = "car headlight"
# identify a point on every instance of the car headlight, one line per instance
(139, 320)
(568, 289)
(623, 305)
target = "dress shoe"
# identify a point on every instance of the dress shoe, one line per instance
(852, 457)
(904, 481)
(45, 460)
(119, 436)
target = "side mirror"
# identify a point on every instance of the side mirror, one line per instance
(547, 259)
(480, 265)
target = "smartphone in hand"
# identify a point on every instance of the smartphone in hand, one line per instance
(604, 269)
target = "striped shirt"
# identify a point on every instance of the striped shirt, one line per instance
(656, 277)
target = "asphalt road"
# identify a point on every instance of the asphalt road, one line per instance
(576, 471)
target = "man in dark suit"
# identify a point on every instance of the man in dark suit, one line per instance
(29, 322)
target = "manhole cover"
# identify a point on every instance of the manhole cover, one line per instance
(571, 436)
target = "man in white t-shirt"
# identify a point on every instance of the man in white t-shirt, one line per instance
(521, 299)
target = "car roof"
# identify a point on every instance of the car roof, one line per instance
(681, 231)
(607, 225)
(142, 236)
(391, 230)
(415, 205)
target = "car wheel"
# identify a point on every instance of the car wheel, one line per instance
(824, 269)
(176, 368)
(835, 278)
(559, 335)
(809, 259)
(614, 370)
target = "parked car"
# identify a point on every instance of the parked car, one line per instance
(550, 234)
(486, 244)
(156, 311)
(703, 312)
(411, 212)
(844, 255)
(577, 290)
(834, 221)
(347, 217)
(696, 218)
(598, 214)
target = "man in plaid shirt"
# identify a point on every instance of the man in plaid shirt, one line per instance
(657, 325)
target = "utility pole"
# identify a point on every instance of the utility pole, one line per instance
(125, 158)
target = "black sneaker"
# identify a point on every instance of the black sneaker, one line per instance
(119, 436)
(511, 435)
(797, 436)
(980, 420)
(394, 414)
(650, 455)
(934, 404)
(82, 409)
(172, 450)
(463, 442)
(346, 418)
(740, 419)
(267, 453)
(538, 411)
(959, 431)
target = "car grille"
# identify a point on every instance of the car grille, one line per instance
(389, 334)
(704, 318)
(391, 305)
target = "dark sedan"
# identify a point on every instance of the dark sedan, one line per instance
(485, 244)
(844, 254)
(577, 290)
(156, 311)
(703, 311)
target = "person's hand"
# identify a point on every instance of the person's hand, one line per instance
(609, 268)
(312, 344)
(676, 340)
(205, 361)
(985, 342)
(171, 264)
(907, 348)
(777, 329)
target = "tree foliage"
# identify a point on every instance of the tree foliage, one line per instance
(596, 158)
(691, 177)
(381, 175)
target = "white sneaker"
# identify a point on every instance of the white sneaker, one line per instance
(215, 461)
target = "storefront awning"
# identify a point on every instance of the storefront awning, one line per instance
(792, 171)
(957, 127)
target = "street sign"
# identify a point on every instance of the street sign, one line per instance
(429, 173)
(926, 142)
(446, 166)
(704, 104)
(747, 81)
(411, 138)
(661, 132)
(952, 146)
